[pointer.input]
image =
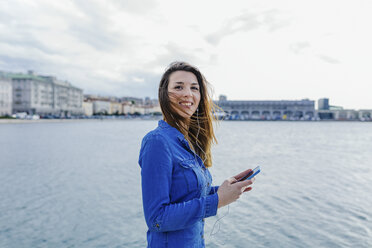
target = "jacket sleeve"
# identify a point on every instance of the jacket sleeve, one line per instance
(162, 216)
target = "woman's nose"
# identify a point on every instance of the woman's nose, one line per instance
(187, 92)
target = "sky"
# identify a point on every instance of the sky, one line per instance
(247, 50)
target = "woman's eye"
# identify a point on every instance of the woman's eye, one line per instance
(195, 88)
(178, 87)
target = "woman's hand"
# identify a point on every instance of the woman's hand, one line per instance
(231, 189)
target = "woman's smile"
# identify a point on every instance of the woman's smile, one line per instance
(186, 104)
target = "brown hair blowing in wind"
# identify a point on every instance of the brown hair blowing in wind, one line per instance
(199, 129)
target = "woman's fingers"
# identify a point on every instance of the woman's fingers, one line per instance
(247, 189)
(231, 180)
(245, 183)
(230, 190)
(242, 174)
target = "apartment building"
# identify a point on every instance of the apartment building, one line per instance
(5, 96)
(45, 95)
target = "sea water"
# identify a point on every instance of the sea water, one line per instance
(77, 184)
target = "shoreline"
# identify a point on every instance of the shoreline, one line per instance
(20, 121)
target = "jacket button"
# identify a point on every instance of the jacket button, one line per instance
(202, 236)
(208, 184)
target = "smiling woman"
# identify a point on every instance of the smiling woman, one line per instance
(186, 104)
(177, 190)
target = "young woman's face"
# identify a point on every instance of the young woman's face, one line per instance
(184, 92)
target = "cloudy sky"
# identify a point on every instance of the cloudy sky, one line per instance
(248, 50)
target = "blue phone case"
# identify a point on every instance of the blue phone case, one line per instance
(255, 172)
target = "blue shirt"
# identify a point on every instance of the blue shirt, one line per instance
(176, 190)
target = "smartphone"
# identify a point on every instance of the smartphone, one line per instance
(251, 174)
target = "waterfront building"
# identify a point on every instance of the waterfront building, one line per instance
(154, 109)
(365, 114)
(101, 107)
(223, 98)
(88, 108)
(45, 95)
(138, 106)
(323, 104)
(325, 115)
(116, 108)
(267, 110)
(6, 96)
(126, 107)
(151, 106)
(345, 115)
(151, 109)
(138, 109)
(130, 108)
(133, 100)
(339, 114)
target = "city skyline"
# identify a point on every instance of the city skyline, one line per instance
(271, 50)
(32, 74)
(31, 96)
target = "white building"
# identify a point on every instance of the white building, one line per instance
(5, 96)
(116, 108)
(152, 109)
(267, 110)
(45, 95)
(345, 114)
(365, 114)
(101, 107)
(138, 109)
(127, 108)
(88, 108)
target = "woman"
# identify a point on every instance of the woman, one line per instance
(175, 157)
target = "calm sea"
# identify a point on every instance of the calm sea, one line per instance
(77, 184)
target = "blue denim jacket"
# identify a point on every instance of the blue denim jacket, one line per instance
(176, 190)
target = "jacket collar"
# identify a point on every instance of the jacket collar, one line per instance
(163, 124)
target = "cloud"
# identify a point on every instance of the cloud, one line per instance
(130, 85)
(138, 79)
(93, 26)
(174, 52)
(136, 7)
(121, 47)
(247, 22)
(19, 64)
(299, 47)
(328, 59)
(96, 36)
(76, 43)
(27, 40)
(274, 20)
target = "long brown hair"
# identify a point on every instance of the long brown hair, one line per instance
(199, 130)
